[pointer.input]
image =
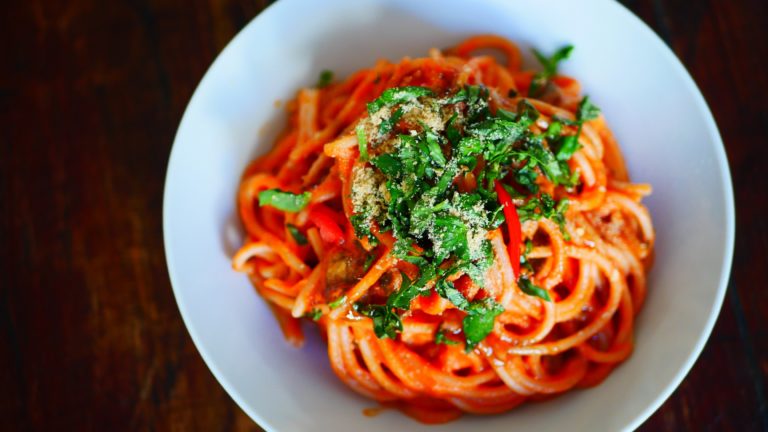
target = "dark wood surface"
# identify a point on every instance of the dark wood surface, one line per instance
(91, 93)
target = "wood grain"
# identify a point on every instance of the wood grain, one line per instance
(91, 94)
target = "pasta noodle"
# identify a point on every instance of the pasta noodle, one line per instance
(568, 242)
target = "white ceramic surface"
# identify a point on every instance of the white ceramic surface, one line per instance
(661, 120)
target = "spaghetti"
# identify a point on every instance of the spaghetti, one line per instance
(463, 231)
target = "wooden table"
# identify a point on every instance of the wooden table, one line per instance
(91, 93)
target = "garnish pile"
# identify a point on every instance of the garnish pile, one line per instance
(440, 172)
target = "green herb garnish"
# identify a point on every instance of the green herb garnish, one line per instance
(325, 78)
(398, 95)
(441, 339)
(410, 190)
(587, 111)
(298, 237)
(529, 288)
(314, 314)
(446, 290)
(524, 263)
(386, 321)
(336, 303)
(566, 145)
(550, 64)
(389, 123)
(401, 298)
(368, 261)
(479, 321)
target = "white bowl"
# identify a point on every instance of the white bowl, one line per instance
(664, 127)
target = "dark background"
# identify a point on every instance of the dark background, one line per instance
(91, 93)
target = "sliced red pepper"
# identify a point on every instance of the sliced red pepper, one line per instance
(513, 225)
(325, 220)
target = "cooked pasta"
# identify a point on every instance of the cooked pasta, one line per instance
(462, 230)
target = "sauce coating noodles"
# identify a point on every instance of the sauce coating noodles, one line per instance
(566, 325)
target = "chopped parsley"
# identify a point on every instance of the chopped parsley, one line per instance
(479, 321)
(529, 288)
(586, 111)
(325, 78)
(566, 145)
(397, 95)
(368, 261)
(446, 290)
(298, 237)
(541, 79)
(285, 201)
(442, 339)
(336, 303)
(419, 147)
(386, 321)
(401, 298)
(524, 263)
(545, 206)
(314, 314)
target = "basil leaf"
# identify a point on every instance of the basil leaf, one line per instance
(446, 290)
(449, 236)
(285, 201)
(451, 131)
(528, 249)
(336, 303)
(388, 164)
(545, 206)
(554, 129)
(551, 63)
(368, 261)
(476, 272)
(314, 314)
(398, 95)
(386, 324)
(526, 112)
(401, 298)
(587, 110)
(568, 146)
(428, 272)
(497, 129)
(476, 99)
(325, 78)
(558, 216)
(535, 152)
(361, 224)
(435, 152)
(388, 124)
(441, 339)
(296, 234)
(529, 288)
(478, 323)
(526, 177)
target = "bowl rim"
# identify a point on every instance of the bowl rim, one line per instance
(730, 218)
(719, 153)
